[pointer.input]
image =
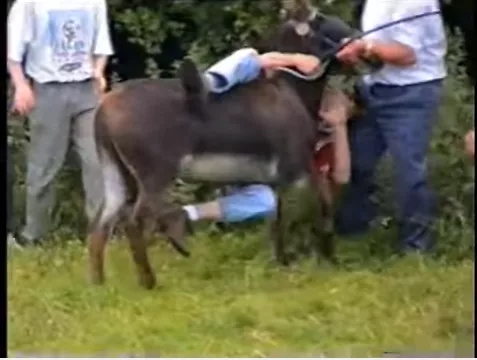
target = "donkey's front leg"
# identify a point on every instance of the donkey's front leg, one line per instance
(277, 235)
(324, 230)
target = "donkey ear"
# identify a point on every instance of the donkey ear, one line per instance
(288, 4)
(299, 10)
(303, 6)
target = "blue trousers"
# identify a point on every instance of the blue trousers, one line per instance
(398, 119)
(247, 203)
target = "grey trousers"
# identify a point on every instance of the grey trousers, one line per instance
(63, 112)
(9, 194)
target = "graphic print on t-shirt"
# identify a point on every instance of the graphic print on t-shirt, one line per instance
(69, 34)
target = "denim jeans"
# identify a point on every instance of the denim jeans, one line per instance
(247, 203)
(398, 119)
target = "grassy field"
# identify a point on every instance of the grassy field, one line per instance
(227, 300)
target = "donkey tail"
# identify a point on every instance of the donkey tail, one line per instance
(194, 87)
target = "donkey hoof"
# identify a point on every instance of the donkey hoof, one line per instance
(180, 246)
(176, 227)
(282, 260)
(96, 279)
(327, 261)
(147, 281)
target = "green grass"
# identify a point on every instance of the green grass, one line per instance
(227, 300)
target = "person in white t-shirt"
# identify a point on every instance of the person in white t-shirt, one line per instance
(57, 53)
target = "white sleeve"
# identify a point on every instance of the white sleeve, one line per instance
(410, 33)
(102, 41)
(19, 29)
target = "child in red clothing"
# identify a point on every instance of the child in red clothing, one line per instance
(332, 155)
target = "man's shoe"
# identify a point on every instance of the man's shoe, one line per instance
(13, 243)
(20, 242)
(176, 226)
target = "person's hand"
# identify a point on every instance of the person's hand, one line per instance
(306, 64)
(352, 52)
(470, 144)
(24, 99)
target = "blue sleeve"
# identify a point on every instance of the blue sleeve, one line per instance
(240, 67)
(248, 70)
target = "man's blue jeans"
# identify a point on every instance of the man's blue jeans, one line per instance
(398, 119)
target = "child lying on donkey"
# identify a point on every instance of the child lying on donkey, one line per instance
(332, 153)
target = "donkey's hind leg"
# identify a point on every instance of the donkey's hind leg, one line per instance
(102, 225)
(138, 244)
(135, 234)
(96, 246)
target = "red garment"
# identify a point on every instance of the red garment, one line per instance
(324, 161)
(324, 158)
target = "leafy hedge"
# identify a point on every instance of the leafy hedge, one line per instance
(163, 33)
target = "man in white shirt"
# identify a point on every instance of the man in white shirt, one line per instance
(57, 53)
(402, 100)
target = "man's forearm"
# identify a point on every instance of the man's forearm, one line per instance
(16, 73)
(99, 65)
(391, 53)
(303, 62)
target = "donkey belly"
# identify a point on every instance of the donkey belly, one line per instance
(224, 168)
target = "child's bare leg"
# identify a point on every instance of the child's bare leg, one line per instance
(205, 211)
(342, 160)
(336, 110)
